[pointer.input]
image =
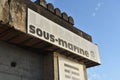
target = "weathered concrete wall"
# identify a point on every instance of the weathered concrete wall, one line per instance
(14, 13)
(17, 63)
(4, 11)
(48, 67)
(18, 14)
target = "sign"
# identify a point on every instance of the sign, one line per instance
(49, 31)
(69, 70)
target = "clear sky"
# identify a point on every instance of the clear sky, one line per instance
(100, 19)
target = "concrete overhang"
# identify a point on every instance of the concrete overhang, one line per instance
(13, 36)
(13, 23)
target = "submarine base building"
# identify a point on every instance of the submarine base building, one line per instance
(39, 42)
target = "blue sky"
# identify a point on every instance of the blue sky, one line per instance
(100, 19)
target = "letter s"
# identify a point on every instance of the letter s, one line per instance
(52, 38)
(32, 29)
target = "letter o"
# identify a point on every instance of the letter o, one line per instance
(39, 32)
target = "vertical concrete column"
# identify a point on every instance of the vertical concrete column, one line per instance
(56, 70)
(48, 67)
(85, 72)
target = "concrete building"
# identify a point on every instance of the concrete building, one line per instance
(38, 42)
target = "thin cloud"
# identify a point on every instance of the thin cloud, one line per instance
(97, 8)
(33, 0)
(95, 76)
(94, 14)
(50, 1)
(100, 4)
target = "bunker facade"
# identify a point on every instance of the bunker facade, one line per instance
(39, 42)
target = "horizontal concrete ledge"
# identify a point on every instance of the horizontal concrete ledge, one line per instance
(11, 35)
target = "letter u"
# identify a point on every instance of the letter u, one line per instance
(46, 35)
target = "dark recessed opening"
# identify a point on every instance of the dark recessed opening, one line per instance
(13, 64)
